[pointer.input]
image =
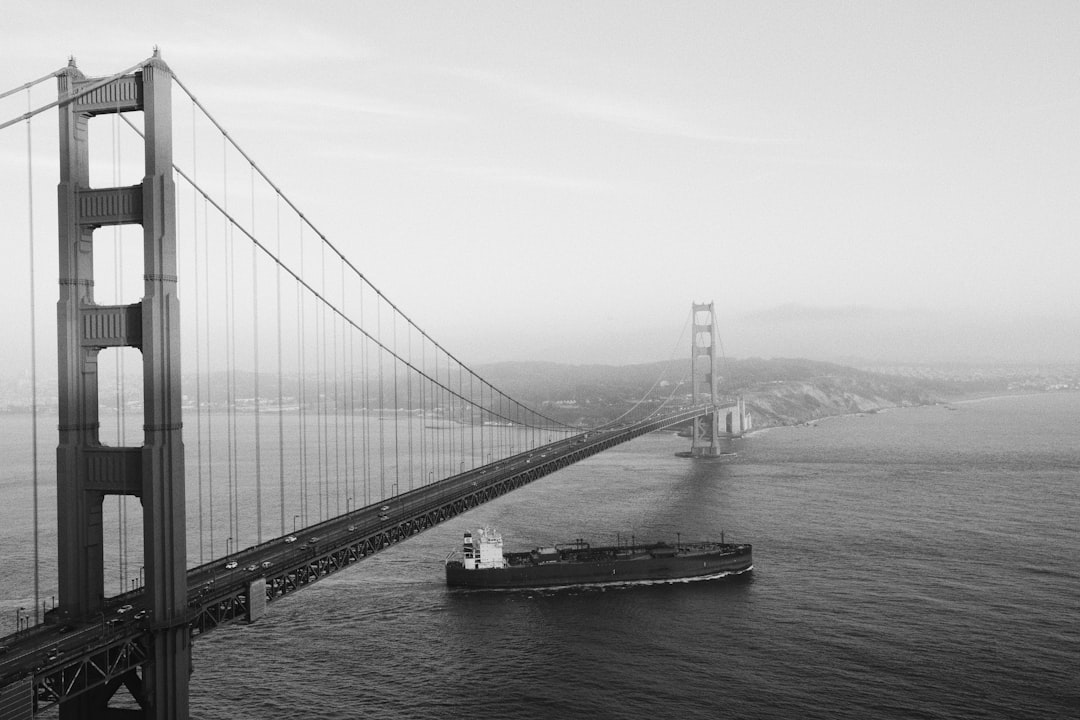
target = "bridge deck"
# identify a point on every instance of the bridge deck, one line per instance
(66, 660)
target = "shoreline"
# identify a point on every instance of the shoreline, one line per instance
(964, 400)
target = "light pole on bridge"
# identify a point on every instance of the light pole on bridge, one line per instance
(228, 547)
(294, 519)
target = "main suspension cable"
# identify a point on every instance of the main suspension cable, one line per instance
(71, 97)
(327, 242)
(27, 86)
(235, 225)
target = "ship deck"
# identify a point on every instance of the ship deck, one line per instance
(578, 553)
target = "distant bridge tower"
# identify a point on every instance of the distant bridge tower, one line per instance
(87, 471)
(706, 437)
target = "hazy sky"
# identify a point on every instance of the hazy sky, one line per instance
(560, 180)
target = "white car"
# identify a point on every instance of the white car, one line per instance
(290, 539)
(231, 564)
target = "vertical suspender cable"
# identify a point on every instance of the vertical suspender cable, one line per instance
(337, 416)
(350, 424)
(337, 421)
(320, 358)
(409, 405)
(229, 378)
(448, 430)
(209, 384)
(434, 443)
(367, 407)
(319, 410)
(382, 405)
(281, 414)
(198, 352)
(423, 411)
(397, 452)
(33, 362)
(301, 351)
(472, 422)
(255, 343)
(461, 419)
(352, 404)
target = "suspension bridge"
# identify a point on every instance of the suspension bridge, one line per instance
(315, 425)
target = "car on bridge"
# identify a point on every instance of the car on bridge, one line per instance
(290, 539)
(231, 564)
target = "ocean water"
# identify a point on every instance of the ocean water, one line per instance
(917, 563)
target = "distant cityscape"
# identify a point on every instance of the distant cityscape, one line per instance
(1012, 378)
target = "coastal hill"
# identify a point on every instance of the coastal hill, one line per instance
(776, 391)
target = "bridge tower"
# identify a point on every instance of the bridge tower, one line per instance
(87, 471)
(706, 437)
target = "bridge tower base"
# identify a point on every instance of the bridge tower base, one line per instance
(88, 471)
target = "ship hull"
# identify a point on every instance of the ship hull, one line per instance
(603, 570)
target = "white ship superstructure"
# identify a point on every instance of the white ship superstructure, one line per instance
(482, 550)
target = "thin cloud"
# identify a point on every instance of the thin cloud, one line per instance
(633, 116)
(312, 99)
(797, 313)
(490, 173)
(625, 113)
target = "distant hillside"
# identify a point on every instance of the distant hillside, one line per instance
(777, 391)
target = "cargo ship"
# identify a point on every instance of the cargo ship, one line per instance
(483, 564)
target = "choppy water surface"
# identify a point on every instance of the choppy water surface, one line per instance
(919, 563)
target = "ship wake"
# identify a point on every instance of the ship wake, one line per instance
(616, 584)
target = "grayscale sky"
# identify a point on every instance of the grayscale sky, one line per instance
(560, 180)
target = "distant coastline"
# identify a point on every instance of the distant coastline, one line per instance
(777, 391)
